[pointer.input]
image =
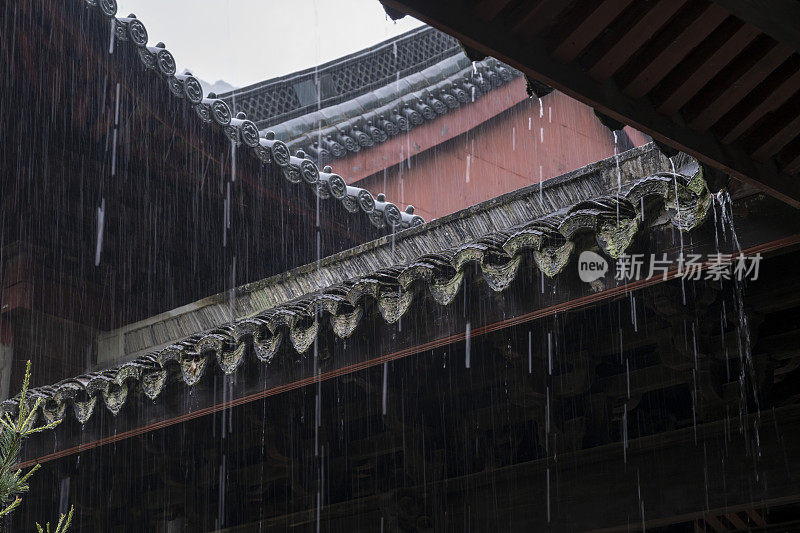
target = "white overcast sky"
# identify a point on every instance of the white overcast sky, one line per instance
(246, 41)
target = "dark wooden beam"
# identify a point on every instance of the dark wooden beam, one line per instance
(489, 9)
(585, 32)
(535, 19)
(673, 458)
(745, 81)
(790, 156)
(690, 79)
(634, 38)
(777, 133)
(734, 519)
(715, 524)
(534, 59)
(761, 102)
(780, 19)
(676, 49)
(756, 517)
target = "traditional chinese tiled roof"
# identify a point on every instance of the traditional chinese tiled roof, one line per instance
(235, 125)
(371, 96)
(277, 100)
(549, 226)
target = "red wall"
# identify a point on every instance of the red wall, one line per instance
(484, 149)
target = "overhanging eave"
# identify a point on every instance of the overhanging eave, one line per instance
(762, 156)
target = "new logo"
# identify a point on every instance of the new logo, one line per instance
(591, 266)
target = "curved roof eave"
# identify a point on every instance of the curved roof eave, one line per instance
(236, 127)
(526, 224)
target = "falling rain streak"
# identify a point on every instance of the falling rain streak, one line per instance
(243, 299)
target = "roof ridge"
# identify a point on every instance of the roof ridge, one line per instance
(298, 168)
(292, 95)
(372, 118)
(300, 73)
